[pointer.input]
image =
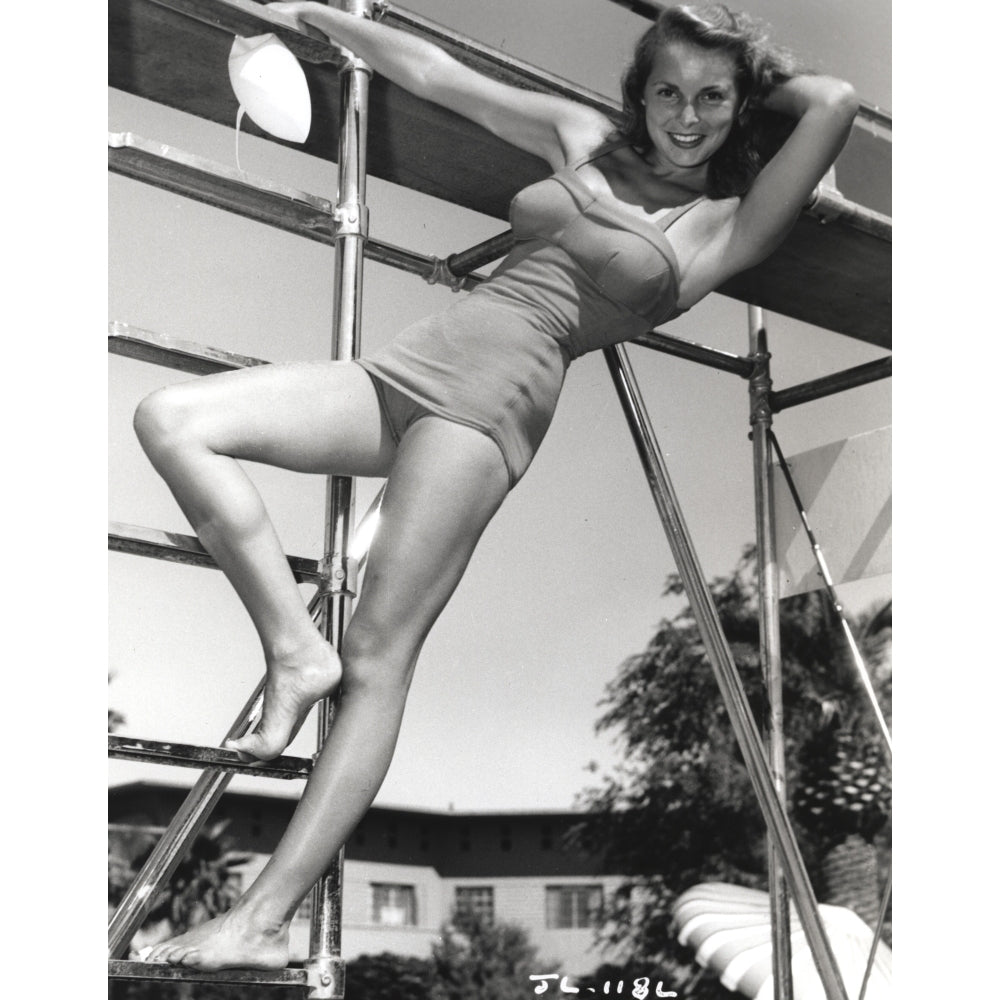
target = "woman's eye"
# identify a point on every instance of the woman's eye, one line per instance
(713, 97)
(666, 94)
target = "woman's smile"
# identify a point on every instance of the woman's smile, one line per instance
(686, 141)
(691, 101)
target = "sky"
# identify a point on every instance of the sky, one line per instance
(567, 581)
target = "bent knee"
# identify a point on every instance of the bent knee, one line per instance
(165, 418)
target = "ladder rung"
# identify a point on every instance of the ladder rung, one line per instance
(254, 198)
(118, 969)
(201, 757)
(172, 352)
(220, 185)
(173, 547)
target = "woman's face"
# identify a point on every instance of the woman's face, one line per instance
(691, 103)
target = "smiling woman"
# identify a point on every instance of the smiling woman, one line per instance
(707, 71)
(627, 233)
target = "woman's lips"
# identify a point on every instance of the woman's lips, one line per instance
(685, 141)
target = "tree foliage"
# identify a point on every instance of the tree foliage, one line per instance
(481, 958)
(204, 884)
(681, 808)
(387, 976)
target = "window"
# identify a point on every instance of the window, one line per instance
(477, 899)
(394, 905)
(573, 905)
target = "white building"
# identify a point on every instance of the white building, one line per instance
(406, 870)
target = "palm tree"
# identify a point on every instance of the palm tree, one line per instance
(843, 793)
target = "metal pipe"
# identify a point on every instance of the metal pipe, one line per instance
(724, 667)
(461, 263)
(172, 547)
(770, 640)
(709, 356)
(849, 378)
(200, 757)
(858, 659)
(877, 936)
(325, 967)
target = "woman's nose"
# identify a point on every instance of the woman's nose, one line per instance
(688, 114)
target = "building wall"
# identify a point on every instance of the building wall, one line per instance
(519, 900)
(518, 855)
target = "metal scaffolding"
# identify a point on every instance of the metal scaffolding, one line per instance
(830, 222)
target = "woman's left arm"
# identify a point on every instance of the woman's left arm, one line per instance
(824, 108)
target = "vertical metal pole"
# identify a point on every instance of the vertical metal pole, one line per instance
(770, 638)
(724, 667)
(325, 968)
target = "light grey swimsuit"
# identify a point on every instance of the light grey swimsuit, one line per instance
(584, 273)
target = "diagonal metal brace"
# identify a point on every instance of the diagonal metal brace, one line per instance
(724, 667)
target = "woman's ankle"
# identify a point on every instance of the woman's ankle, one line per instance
(261, 915)
(289, 651)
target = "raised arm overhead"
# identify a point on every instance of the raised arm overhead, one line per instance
(550, 127)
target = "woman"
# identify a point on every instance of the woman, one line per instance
(453, 411)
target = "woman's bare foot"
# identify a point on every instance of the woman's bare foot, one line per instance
(227, 942)
(293, 686)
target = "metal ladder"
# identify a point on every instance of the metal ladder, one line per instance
(344, 226)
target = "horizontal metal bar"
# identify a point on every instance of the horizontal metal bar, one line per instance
(850, 378)
(514, 70)
(247, 18)
(829, 204)
(206, 180)
(721, 360)
(172, 352)
(482, 253)
(201, 757)
(118, 969)
(172, 547)
(256, 198)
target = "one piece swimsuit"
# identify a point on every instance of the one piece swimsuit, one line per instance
(584, 273)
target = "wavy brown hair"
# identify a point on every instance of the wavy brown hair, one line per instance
(757, 133)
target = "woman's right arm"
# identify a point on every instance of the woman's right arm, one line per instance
(553, 128)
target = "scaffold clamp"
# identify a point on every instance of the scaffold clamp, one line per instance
(351, 218)
(325, 978)
(341, 574)
(442, 274)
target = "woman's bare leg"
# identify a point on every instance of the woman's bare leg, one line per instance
(310, 417)
(445, 485)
